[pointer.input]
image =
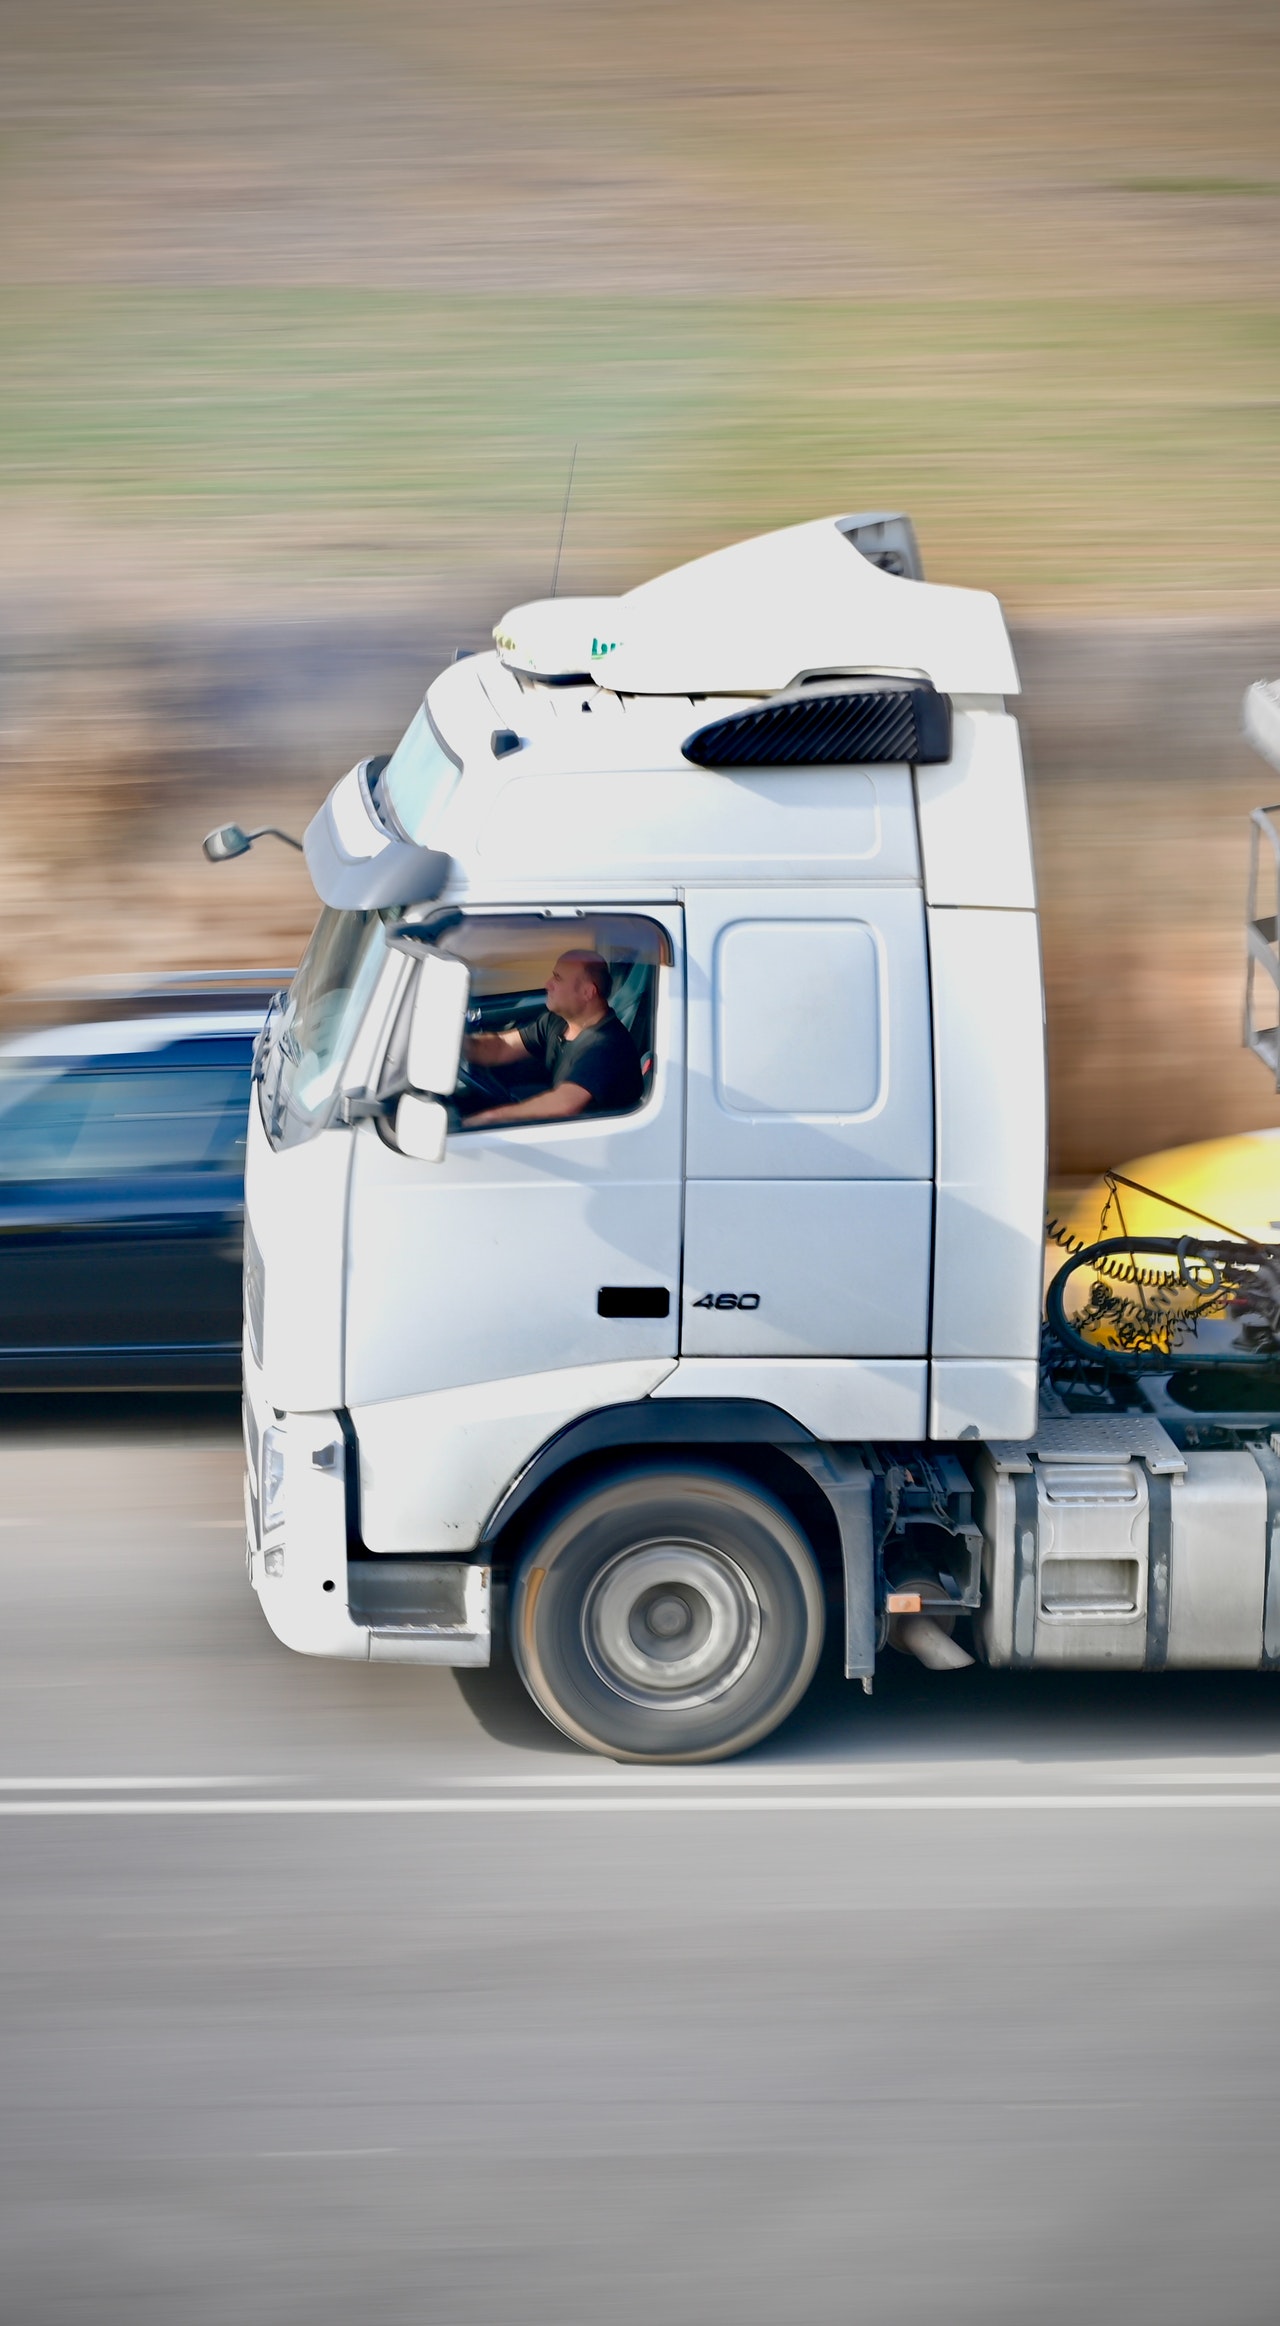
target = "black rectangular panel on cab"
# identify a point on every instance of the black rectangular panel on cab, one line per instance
(633, 1300)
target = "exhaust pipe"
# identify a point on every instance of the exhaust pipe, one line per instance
(920, 1636)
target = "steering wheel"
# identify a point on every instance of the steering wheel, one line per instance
(477, 1087)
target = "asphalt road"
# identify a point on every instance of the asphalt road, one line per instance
(351, 1995)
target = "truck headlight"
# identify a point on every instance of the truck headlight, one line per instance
(272, 1479)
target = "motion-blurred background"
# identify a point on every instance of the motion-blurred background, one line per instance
(307, 303)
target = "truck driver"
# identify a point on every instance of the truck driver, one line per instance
(585, 1052)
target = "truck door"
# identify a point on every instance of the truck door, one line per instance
(809, 1207)
(540, 1245)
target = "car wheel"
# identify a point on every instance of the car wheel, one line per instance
(671, 1614)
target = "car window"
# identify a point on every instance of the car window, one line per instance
(100, 1121)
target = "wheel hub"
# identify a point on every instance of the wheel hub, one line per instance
(671, 1623)
(666, 1617)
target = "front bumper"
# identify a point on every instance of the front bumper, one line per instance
(317, 1599)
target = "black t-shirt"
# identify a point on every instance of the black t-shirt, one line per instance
(602, 1059)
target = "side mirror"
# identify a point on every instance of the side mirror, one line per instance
(437, 1025)
(227, 841)
(420, 1128)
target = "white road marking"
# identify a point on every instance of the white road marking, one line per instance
(121, 1784)
(589, 1778)
(567, 1805)
(601, 1777)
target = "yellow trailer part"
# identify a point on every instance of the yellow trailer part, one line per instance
(1213, 1187)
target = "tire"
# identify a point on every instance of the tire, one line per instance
(671, 1614)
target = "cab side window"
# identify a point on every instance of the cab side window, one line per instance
(532, 986)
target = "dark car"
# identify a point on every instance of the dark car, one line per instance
(122, 1136)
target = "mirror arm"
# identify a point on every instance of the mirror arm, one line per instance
(412, 937)
(362, 1107)
(273, 832)
(229, 840)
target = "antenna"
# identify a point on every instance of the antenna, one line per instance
(564, 518)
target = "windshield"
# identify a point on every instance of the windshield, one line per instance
(310, 1037)
(418, 778)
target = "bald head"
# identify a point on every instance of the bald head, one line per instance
(579, 986)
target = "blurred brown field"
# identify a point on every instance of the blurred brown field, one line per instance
(305, 306)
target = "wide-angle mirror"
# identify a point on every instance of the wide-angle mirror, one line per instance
(420, 1128)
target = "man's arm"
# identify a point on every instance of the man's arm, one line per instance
(568, 1098)
(495, 1049)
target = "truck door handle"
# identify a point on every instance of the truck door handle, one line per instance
(633, 1300)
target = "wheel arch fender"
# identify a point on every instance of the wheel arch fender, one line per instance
(827, 1489)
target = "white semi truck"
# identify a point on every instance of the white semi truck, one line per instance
(663, 1388)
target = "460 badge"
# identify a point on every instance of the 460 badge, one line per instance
(728, 1300)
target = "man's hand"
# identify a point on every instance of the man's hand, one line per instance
(494, 1049)
(568, 1098)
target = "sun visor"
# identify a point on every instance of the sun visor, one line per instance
(764, 614)
(356, 878)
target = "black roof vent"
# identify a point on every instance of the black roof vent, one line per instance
(832, 722)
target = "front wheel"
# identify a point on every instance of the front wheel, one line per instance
(670, 1614)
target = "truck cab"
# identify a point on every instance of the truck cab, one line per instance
(661, 1391)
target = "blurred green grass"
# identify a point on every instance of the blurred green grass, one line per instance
(1062, 451)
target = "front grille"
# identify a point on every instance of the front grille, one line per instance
(252, 1457)
(255, 1293)
(252, 1441)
